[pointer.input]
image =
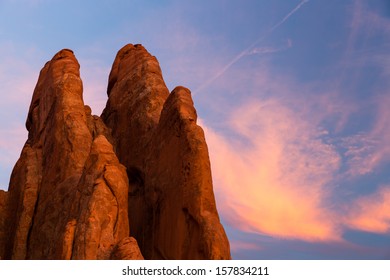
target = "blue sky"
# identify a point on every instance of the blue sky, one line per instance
(293, 96)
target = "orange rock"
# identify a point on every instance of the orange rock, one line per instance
(70, 197)
(172, 210)
(23, 194)
(127, 249)
(68, 192)
(101, 207)
(58, 131)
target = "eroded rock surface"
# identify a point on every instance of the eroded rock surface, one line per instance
(172, 209)
(134, 183)
(127, 249)
(68, 191)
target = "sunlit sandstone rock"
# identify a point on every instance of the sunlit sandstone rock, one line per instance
(87, 187)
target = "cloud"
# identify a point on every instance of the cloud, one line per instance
(369, 150)
(278, 160)
(273, 178)
(277, 169)
(365, 27)
(283, 158)
(371, 213)
(265, 50)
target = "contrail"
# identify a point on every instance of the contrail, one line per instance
(270, 50)
(248, 49)
(293, 11)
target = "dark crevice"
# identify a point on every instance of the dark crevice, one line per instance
(136, 181)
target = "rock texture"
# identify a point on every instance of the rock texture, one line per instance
(83, 181)
(127, 249)
(172, 209)
(68, 191)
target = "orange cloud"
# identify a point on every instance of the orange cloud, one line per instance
(273, 179)
(372, 213)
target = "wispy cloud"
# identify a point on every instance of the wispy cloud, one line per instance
(371, 213)
(265, 50)
(368, 150)
(275, 170)
(274, 179)
(364, 25)
(275, 173)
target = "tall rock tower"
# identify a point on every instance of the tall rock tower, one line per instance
(172, 210)
(87, 187)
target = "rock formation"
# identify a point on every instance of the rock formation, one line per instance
(86, 187)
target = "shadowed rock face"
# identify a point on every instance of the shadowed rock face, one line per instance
(82, 180)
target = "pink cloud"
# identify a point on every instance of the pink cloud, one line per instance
(274, 179)
(371, 213)
(274, 172)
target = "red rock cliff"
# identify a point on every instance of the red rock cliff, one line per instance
(83, 184)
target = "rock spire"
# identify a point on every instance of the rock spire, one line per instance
(130, 184)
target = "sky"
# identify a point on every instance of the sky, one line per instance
(293, 96)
